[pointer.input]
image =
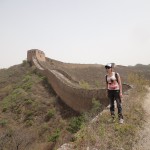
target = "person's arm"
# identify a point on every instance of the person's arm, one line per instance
(120, 84)
(106, 82)
(106, 85)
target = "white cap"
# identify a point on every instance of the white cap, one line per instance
(109, 65)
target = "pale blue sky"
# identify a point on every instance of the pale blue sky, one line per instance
(76, 31)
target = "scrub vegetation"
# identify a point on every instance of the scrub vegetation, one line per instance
(103, 134)
(33, 117)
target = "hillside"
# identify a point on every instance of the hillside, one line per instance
(32, 116)
(94, 74)
(30, 111)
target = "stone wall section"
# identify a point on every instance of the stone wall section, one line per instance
(36, 53)
(76, 97)
(35, 62)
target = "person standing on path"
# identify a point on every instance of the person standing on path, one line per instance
(114, 91)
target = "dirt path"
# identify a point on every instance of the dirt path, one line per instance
(144, 134)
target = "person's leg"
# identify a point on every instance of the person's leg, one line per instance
(111, 101)
(119, 106)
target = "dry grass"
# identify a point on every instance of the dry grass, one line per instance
(29, 105)
(27, 102)
(104, 134)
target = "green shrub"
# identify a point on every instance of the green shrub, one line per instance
(44, 127)
(75, 124)
(84, 84)
(96, 106)
(26, 78)
(28, 123)
(28, 101)
(54, 136)
(27, 82)
(50, 114)
(13, 100)
(4, 109)
(5, 104)
(28, 115)
(97, 83)
(27, 86)
(3, 122)
(24, 63)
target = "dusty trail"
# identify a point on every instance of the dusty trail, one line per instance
(144, 139)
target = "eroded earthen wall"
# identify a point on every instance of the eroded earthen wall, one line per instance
(77, 98)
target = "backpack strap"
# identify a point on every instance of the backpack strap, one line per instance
(116, 75)
(106, 78)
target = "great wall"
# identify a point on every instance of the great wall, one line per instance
(70, 92)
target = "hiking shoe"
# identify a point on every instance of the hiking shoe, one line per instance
(121, 121)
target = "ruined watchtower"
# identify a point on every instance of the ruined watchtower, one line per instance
(38, 54)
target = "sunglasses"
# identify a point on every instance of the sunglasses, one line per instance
(107, 67)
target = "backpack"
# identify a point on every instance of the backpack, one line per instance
(116, 76)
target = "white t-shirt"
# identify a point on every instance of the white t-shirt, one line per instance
(112, 82)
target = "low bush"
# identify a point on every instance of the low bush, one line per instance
(75, 124)
(54, 136)
(84, 84)
(3, 122)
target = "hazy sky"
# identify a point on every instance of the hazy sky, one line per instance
(76, 31)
